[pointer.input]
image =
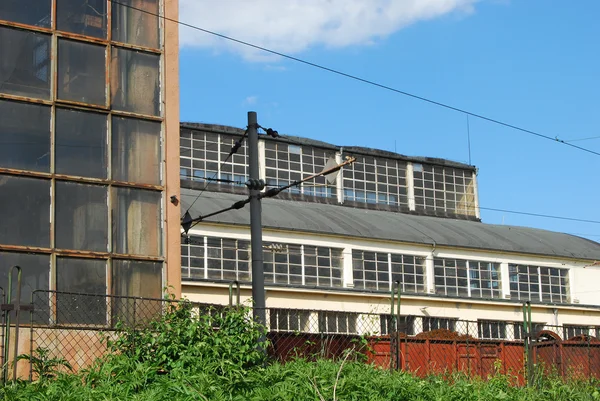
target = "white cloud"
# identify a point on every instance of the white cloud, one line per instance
(292, 26)
(251, 100)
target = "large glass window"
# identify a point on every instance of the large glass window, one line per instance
(80, 144)
(538, 283)
(135, 81)
(476, 279)
(81, 72)
(84, 282)
(25, 211)
(25, 63)
(81, 217)
(136, 150)
(136, 22)
(322, 266)
(24, 136)
(136, 222)
(491, 329)
(228, 259)
(451, 277)
(338, 322)
(444, 190)
(84, 17)
(376, 180)
(371, 270)
(289, 320)
(30, 12)
(286, 163)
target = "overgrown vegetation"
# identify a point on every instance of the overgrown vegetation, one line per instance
(213, 356)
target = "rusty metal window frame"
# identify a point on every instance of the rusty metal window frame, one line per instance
(55, 103)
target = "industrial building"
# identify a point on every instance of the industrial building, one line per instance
(333, 248)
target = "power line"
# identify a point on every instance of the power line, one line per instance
(583, 139)
(541, 215)
(366, 81)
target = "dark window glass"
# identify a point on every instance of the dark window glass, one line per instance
(136, 150)
(81, 217)
(136, 279)
(25, 63)
(135, 81)
(25, 211)
(84, 17)
(81, 144)
(136, 221)
(35, 276)
(30, 12)
(81, 72)
(86, 277)
(24, 136)
(136, 22)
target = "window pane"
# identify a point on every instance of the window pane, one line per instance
(81, 72)
(25, 211)
(84, 276)
(25, 63)
(136, 279)
(136, 222)
(81, 144)
(81, 217)
(36, 276)
(30, 12)
(135, 82)
(135, 26)
(24, 136)
(136, 150)
(84, 17)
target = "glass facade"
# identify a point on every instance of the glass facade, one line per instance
(81, 147)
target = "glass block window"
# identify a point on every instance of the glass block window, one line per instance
(289, 320)
(491, 329)
(375, 180)
(322, 266)
(467, 278)
(437, 323)
(372, 271)
(203, 154)
(444, 189)
(282, 263)
(287, 163)
(338, 322)
(539, 283)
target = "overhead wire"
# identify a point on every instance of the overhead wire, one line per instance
(366, 81)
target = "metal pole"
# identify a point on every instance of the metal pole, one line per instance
(258, 276)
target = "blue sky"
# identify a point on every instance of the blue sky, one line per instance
(533, 63)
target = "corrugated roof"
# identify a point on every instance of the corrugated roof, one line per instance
(340, 220)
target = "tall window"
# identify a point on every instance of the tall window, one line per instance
(444, 190)
(81, 138)
(376, 180)
(539, 283)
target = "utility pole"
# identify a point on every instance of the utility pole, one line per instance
(258, 275)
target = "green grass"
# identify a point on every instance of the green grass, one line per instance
(184, 358)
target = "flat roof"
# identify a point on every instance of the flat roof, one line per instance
(319, 218)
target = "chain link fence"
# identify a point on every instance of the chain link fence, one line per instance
(75, 327)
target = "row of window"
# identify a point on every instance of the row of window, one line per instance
(84, 217)
(375, 180)
(211, 258)
(133, 22)
(81, 143)
(297, 320)
(79, 275)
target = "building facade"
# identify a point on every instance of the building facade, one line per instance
(335, 247)
(89, 153)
